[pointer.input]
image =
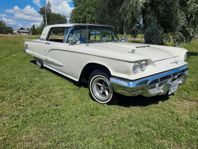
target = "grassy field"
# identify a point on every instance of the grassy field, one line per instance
(40, 109)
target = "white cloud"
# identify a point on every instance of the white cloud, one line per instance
(28, 13)
(2, 15)
(27, 16)
(9, 21)
(61, 6)
(37, 2)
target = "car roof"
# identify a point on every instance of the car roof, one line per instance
(47, 28)
(78, 24)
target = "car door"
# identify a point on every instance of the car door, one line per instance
(55, 45)
(64, 57)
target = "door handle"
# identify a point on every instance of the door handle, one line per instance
(47, 43)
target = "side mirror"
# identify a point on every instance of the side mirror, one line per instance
(74, 41)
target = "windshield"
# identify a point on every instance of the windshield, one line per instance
(92, 34)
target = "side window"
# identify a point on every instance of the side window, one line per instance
(57, 34)
(100, 35)
(94, 36)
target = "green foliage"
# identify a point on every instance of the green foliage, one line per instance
(36, 30)
(190, 18)
(33, 30)
(85, 11)
(112, 15)
(112, 12)
(175, 17)
(153, 32)
(5, 29)
(52, 18)
(178, 17)
(130, 12)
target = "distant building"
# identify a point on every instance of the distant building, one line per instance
(24, 31)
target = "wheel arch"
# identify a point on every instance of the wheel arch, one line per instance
(90, 67)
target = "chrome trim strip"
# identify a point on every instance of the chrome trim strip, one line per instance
(44, 58)
(36, 41)
(62, 73)
(83, 53)
(165, 59)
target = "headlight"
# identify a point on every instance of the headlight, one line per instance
(143, 65)
(136, 67)
(140, 66)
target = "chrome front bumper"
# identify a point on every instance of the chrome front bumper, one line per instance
(154, 85)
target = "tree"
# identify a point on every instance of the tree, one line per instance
(4, 29)
(55, 18)
(189, 9)
(160, 19)
(36, 30)
(33, 30)
(153, 32)
(52, 18)
(178, 18)
(112, 12)
(45, 11)
(130, 13)
(85, 11)
(159, 15)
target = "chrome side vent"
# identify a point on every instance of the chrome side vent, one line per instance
(144, 46)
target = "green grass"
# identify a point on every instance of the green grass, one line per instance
(40, 109)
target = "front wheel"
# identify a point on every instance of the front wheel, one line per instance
(100, 87)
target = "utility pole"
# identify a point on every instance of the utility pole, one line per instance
(46, 13)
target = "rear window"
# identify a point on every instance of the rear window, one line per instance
(57, 34)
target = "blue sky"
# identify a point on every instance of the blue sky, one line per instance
(24, 13)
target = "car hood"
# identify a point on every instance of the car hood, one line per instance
(133, 51)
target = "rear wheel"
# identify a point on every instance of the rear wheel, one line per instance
(39, 63)
(100, 87)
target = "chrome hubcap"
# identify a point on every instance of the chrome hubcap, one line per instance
(101, 88)
(39, 63)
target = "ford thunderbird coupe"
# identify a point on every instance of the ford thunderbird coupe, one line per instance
(93, 54)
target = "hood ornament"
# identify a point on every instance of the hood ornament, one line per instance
(141, 46)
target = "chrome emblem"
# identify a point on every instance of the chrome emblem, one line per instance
(175, 62)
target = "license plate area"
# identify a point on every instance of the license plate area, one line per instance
(173, 87)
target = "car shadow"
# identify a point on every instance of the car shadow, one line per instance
(120, 100)
(139, 101)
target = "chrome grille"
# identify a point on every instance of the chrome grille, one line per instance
(166, 79)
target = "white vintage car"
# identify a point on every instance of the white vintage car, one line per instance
(93, 54)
